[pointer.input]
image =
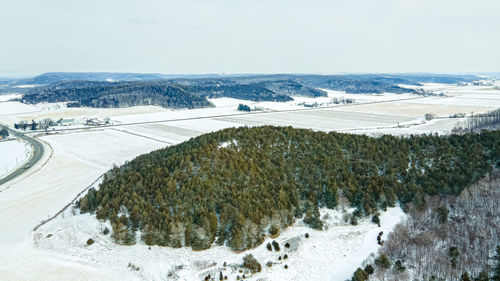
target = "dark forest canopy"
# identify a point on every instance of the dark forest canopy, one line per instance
(230, 186)
(116, 94)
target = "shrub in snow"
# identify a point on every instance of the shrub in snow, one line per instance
(133, 266)
(286, 266)
(307, 235)
(369, 269)
(285, 257)
(287, 245)
(276, 246)
(105, 231)
(90, 241)
(376, 220)
(251, 263)
(269, 247)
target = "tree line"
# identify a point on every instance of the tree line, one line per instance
(474, 123)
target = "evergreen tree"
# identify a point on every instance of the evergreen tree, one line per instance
(359, 275)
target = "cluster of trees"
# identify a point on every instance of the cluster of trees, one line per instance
(244, 107)
(24, 125)
(43, 124)
(368, 86)
(116, 94)
(291, 87)
(3, 133)
(478, 122)
(198, 192)
(449, 238)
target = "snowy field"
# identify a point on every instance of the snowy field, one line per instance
(14, 153)
(331, 254)
(7, 97)
(80, 157)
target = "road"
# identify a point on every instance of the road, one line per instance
(38, 151)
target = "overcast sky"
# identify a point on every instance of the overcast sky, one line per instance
(250, 36)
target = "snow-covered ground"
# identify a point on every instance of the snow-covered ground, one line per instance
(81, 157)
(13, 154)
(8, 97)
(331, 254)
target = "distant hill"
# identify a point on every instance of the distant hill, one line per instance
(52, 77)
(192, 91)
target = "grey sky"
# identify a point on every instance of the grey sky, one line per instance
(250, 36)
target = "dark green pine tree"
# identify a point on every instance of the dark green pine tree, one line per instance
(359, 275)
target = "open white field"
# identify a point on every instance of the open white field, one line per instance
(8, 97)
(321, 119)
(78, 159)
(13, 154)
(416, 109)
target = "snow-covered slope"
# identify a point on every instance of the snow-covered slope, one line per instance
(331, 254)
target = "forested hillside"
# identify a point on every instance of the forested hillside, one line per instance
(449, 238)
(231, 186)
(116, 94)
(92, 90)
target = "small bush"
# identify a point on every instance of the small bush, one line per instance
(287, 245)
(279, 258)
(286, 266)
(276, 246)
(90, 241)
(133, 266)
(269, 247)
(105, 231)
(269, 264)
(307, 235)
(369, 269)
(285, 257)
(251, 263)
